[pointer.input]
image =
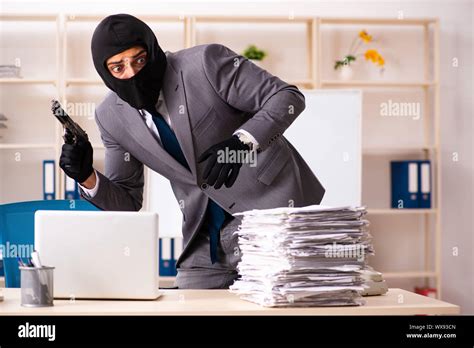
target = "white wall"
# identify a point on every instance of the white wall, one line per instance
(456, 99)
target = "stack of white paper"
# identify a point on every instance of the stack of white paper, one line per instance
(309, 256)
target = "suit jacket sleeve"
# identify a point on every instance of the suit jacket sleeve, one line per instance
(121, 188)
(274, 103)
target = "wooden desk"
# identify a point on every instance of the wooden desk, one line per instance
(166, 282)
(222, 302)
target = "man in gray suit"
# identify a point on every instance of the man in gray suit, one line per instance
(189, 115)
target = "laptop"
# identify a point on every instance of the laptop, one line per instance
(100, 254)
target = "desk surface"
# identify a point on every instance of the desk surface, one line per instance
(222, 302)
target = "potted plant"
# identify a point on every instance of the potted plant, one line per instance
(254, 54)
(344, 65)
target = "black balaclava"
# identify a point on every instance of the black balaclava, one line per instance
(118, 33)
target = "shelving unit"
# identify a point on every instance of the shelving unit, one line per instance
(430, 149)
(54, 80)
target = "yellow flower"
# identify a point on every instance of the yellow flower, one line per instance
(380, 61)
(375, 57)
(365, 36)
(371, 55)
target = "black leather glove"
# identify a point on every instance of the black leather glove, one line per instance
(76, 160)
(222, 168)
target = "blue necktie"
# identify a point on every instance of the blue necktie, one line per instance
(215, 215)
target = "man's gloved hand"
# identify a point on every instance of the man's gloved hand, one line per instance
(225, 160)
(76, 160)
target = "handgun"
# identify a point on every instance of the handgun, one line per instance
(72, 131)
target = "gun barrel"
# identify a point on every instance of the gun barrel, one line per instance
(67, 121)
(59, 112)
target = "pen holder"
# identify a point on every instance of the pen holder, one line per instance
(37, 286)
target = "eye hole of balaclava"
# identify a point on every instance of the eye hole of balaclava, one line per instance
(128, 63)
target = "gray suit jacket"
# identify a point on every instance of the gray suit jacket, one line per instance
(210, 91)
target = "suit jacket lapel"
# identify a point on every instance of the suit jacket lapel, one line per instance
(175, 97)
(138, 129)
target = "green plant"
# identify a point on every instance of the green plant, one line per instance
(252, 52)
(346, 61)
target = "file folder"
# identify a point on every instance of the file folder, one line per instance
(49, 180)
(405, 184)
(178, 248)
(2, 273)
(167, 265)
(71, 188)
(425, 185)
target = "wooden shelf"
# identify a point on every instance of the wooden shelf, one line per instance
(378, 21)
(15, 80)
(144, 17)
(409, 274)
(259, 19)
(27, 146)
(40, 146)
(392, 211)
(27, 17)
(84, 81)
(387, 84)
(374, 151)
(301, 82)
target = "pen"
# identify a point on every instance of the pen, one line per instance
(20, 262)
(30, 263)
